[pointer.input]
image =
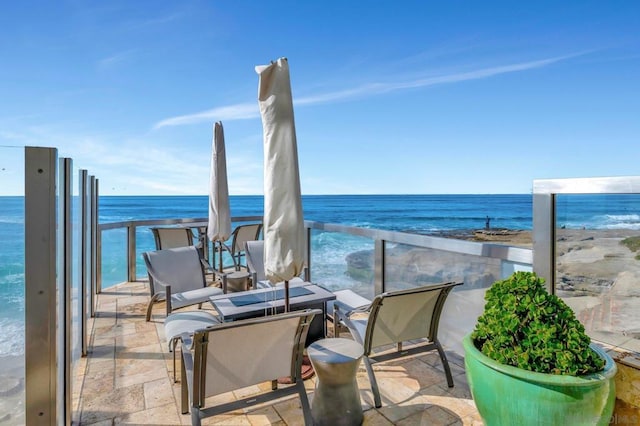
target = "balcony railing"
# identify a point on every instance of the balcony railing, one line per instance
(66, 252)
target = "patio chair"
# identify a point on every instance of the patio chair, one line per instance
(177, 276)
(349, 300)
(393, 318)
(167, 238)
(180, 326)
(254, 253)
(233, 355)
(241, 234)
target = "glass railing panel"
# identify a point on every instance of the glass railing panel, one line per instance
(598, 263)
(114, 257)
(144, 242)
(12, 286)
(408, 266)
(76, 306)
(342, 261)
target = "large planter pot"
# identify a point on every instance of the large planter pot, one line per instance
(506, 395)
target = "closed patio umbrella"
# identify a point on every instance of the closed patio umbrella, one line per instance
(219, 227)
(284, 241)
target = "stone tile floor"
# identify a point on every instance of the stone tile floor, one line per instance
(127, 378)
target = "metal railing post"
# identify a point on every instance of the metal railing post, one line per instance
(65, 279)
(92, 246)
(378, 261)
(131, 253)
(97, 237)
(83, 194)
(40, 285)
(308, 255)
(544, 238)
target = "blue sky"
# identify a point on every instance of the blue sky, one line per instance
(389, 97)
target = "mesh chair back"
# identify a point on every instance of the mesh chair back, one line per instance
(258, 351)
(179, 267)
(255, 258)
(241, 235)
(405, 315)
(167, 238)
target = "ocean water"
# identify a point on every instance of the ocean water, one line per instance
(424, 214)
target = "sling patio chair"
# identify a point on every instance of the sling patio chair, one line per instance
(255, 264)
(393, 318)
(233, 355)
(166, 238)
(241, 234)
(254, 252)
(180, 326)
(177, 276)
(238, 277)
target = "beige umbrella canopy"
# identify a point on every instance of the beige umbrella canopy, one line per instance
(284, 240)
(219, 228)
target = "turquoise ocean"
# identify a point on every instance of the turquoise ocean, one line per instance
(440, 215)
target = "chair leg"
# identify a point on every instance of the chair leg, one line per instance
(445, 364)
(184, 391)
(304, 402)
(174, 343)
(195, 417)
(374, 383)
(153, 300)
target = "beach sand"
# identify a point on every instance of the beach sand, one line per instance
(597, 276)
(12, 390)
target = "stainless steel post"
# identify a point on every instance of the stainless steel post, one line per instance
(40, 285)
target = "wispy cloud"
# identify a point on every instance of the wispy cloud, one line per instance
(115, 59)
(247, 111)
(226, 113)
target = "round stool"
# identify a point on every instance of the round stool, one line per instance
(238, 281)
(336, 400)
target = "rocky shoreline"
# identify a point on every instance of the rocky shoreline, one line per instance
(513, 237)
(598, 270)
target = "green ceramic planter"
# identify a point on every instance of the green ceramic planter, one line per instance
(506, 395)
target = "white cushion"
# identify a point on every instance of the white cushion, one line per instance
(191, 297)
(179, 323)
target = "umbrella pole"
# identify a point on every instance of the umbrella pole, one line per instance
(220, 256)
(286, 296)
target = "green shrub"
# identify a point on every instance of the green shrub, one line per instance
(632, 243)
(526, 327)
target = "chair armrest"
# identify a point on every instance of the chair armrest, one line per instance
(186, 377)
(166, 288)
(345, 311)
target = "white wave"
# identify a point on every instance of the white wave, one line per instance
(12, 337)
(623, 217)
(12, 220)
(632, 226)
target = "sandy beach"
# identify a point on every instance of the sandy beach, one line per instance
(12, 390)
(598, 276)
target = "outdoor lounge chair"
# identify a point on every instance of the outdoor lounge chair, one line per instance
(241, 234)
(177, 275)
(180, 326)
(395, 317)
(167, 238)
(233, 355)
(254, 252)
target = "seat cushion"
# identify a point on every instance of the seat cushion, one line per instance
(191, 297)
(178, 323)
(349, 298)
